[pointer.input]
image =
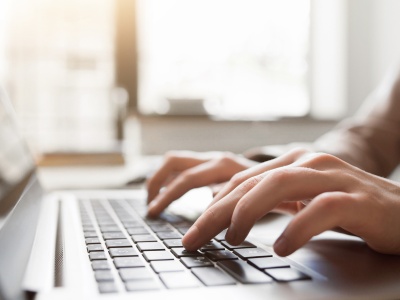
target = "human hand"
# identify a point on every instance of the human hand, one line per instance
(338, 195)
(185, 170)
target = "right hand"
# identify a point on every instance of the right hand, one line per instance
(185, 170)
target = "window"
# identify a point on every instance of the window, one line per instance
(240, 58)
(57, 64)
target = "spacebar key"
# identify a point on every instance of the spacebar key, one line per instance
(243, 272)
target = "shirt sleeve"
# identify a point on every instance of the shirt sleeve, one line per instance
(371, 139)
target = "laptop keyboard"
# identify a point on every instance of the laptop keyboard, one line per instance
(128, 251)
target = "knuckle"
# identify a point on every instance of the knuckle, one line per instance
(171, 155)
(187, 175)
(279, 176)
(249, 183)
(298, 151)
(227, 158)
(330, 203)
(238, 178)
(210, 215)
(245, 213)
(317, 159)
(242, 208)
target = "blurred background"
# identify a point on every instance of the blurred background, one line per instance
(190, 74)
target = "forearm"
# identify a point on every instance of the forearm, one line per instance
(370, 140)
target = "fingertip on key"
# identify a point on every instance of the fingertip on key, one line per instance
(191, 238)
(152, 209)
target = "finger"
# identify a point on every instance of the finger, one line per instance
(289, 207)
(209, 224)
(201, 175)
(280, 161)
(216, 188)
(279, 185)
(325, 212)
(215, 219)
(172, 165)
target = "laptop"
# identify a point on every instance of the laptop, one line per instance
(98, 244)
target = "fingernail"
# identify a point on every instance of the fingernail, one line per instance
(231, 235)
(190, 238)
(281, 246)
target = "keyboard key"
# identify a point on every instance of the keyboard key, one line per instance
(143, 238)
(90, 234)
(106, 222)
(196, 262)
(88, 227)
(150, 222)
(142, 285)
(107, 287)
(182, 252)
(167, 266)
(268, 263)
(168, 235)
(221, 236)
(121, 252)
(220, 255)
(176, 280)
(86, 223)
(128, 262)
(287, 274)
(243, 272)
(150, 246)
(183, 230)
(212, 245)
(131, 224)
(183, 224)
(161, 227)
(109, 228)
(128, 274)
(137, 230)
(245, 244)
(118, 243)
(213, 276)
(124, 217)
(103, 275)
(94, 247)
(113, 235)
(89, 241)
(170, 218)
(251, 253)
(100, 265)
(157, 255)
(97, 255)
(173, 243)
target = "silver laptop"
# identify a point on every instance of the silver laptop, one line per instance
(99, 245)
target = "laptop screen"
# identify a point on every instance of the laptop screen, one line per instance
(16, 163)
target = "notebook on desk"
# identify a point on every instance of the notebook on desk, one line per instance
(98, 244)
